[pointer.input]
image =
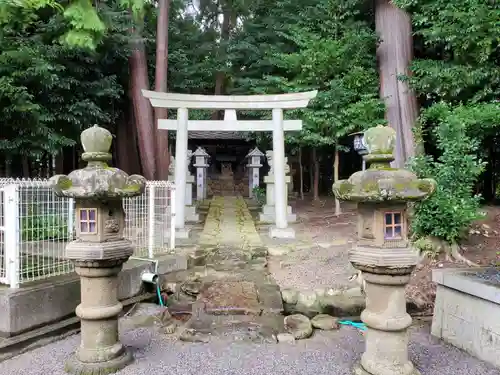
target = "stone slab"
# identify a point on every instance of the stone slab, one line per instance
(190, 214)
(271, 218)
(182, 233)
(464, 281)
(287, 233)
(270, 299)
(466, 314)
(241, 328)
(230, 298)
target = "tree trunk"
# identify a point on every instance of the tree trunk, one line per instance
(311, 172)
(220, 76)
(395, 53)
(301, 175)
(143, 112)
(162, 154)
(26, 166)
(127, 152)
(338, 211)
(316, 175)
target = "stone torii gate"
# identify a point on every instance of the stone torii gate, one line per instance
(276, 103)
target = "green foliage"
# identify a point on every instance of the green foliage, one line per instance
(86, 26)
(44, 227)
(49, 92)
(453, 206)
(327, 46)
(457, 78)
(259, 195)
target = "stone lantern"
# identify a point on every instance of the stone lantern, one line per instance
(360, 146)
(254, 164)
(201, 165)
(383, 253)
(99, 251)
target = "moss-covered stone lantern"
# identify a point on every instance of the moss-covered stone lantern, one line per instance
(99, 251)
(383, 252)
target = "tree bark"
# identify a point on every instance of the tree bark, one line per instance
(26, 166)
(338, 211)
(127, 152)
(395, 54)
(301, 175)
(220, 76)
(162, 154)
(311, 172)
(316, 175)
(143, 113)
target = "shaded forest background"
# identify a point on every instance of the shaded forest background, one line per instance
(428, 68)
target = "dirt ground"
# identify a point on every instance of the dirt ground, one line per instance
(317, 219)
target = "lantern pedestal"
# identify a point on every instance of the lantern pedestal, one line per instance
(100, 351)
(387, 321)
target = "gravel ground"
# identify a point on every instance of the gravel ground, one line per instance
(326, 353)
(312, 268)
(323, 264)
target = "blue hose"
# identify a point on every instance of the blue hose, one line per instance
(360, 326)
(158, 291)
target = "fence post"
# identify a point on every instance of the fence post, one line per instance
(12, 235)
(71, 218)
(151, 220)
(172, 217)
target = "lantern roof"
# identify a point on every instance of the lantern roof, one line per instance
(255, 152)
(97, 180)
(380, 182)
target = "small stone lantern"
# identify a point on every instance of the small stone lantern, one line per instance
(383, 252)
(254, 164)
(201, 165)
(360, 146)
(99, 251)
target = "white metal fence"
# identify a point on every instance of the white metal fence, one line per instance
(35, 226)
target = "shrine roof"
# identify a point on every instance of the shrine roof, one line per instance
(215, 135)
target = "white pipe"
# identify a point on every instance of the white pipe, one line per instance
(149, 277)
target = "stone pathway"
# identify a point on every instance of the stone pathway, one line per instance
(228, 292)
(229, 223)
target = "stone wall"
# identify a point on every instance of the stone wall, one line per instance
(219, 187)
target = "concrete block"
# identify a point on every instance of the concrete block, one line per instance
(190, 215)
(268, 215)
(287, 233)
(182, 233)
(466, 313)
(48, 301)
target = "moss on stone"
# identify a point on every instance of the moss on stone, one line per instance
(132, 188)
(343, 187)
(64, 183)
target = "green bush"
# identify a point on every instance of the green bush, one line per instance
(43, 227)
(259, 195)
(448, 213)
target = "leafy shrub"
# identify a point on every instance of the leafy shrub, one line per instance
(453, 207)
(43, 227)
(259, 195)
